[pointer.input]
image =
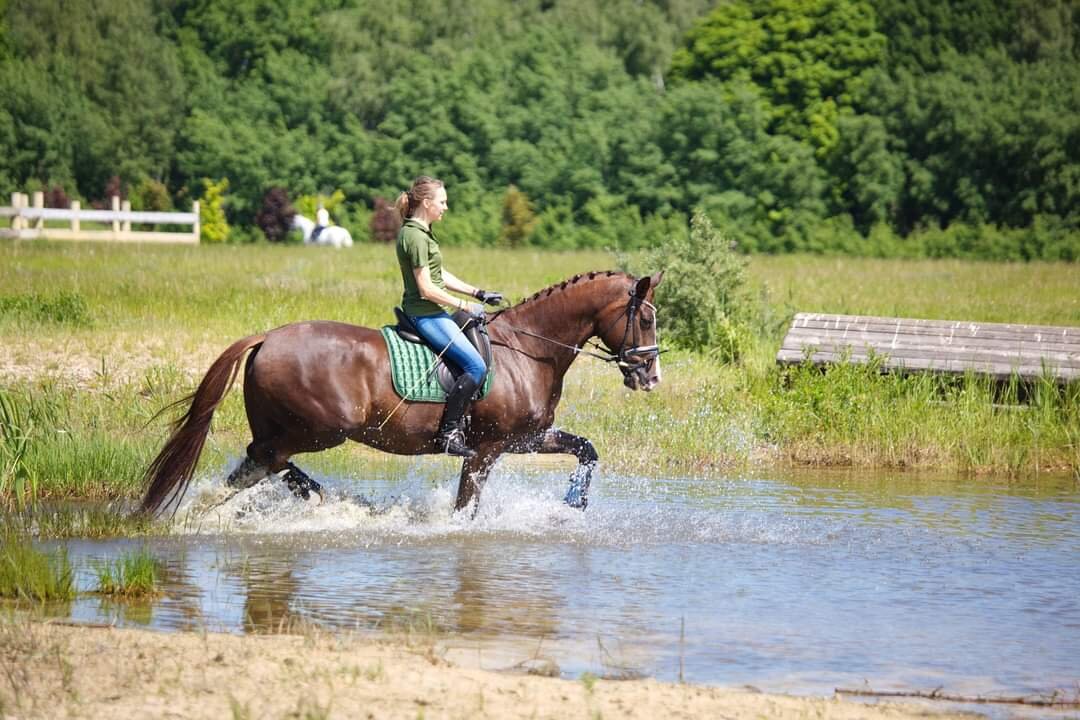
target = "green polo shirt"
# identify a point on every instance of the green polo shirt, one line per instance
(417, 248)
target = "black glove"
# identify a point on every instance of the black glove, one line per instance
(489, 297)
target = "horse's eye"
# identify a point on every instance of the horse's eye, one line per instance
(646, 323)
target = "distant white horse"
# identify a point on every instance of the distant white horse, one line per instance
(334, 235)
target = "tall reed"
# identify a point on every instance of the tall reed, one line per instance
(18, 484)
(33, 575)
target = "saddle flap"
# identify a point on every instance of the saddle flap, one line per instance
(412, 373)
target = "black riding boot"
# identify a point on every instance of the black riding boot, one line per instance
(451, 436)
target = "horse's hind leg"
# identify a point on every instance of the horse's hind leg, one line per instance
(247, 473)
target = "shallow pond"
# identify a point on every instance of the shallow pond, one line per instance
(798, 584)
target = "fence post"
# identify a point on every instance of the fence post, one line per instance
(126, 225)
(197, 226)
(76, 206)
(16, 203)
(116, 209)
(39, 204)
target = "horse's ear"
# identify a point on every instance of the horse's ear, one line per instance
(645, 283)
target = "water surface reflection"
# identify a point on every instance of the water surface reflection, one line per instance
(800, 583)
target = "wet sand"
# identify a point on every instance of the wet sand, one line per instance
(55, 670)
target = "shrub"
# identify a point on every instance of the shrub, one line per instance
(703, 302)
(518, 218)
(150, 195)
(55, 197)
(276, 214)
(385, 221)
(307, 205)
(215, 227)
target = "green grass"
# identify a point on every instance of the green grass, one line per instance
(79, 398)
(132, 575)
(33, 575)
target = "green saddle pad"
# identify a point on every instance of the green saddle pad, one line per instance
(409, 364)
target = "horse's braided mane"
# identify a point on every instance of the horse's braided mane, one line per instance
(563, 285)
(572, 281)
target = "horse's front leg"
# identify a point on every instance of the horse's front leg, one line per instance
(474, 473)
(552, 441)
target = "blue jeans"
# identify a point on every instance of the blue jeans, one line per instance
(440, 329)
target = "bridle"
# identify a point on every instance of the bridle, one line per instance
(630, 359)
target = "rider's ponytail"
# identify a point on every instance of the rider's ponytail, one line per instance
(423, 188)
(402, 205)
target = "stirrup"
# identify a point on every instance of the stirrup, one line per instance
(453, 443)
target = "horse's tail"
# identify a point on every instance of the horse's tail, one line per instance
(168, 476)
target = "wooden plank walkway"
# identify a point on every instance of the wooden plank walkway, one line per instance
(942, 346)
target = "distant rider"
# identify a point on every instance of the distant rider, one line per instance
(322, 221)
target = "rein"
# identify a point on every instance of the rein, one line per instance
(621, 357)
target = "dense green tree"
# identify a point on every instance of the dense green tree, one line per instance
(764, 189)
(923, 34)
(106, 77)
(987, 141)
(805, 57)
(820, 125)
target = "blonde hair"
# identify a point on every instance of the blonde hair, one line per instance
(423, 188)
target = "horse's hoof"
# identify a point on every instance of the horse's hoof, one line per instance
(306, 492)
(576, 497)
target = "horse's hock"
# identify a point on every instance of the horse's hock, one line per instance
(997, 350)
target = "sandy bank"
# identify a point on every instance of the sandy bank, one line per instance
(55, 671)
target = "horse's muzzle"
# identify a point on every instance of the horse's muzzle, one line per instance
(642, 378)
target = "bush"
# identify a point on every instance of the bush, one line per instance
(214, 225)
(276, 214)
(150, 195)
(55, 197)
(385, 221)
(518, 218)
(703, 301)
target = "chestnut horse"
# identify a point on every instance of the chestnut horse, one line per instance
(310, 386)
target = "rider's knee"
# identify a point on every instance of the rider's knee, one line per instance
(478, 372)
(478, 377)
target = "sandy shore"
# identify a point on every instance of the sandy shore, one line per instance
(63, 671)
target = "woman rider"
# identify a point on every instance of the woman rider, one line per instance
(426, 285)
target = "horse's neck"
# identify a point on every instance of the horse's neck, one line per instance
(567, 315)
(305, 225)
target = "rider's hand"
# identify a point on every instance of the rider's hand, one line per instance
(490, 297)
(476, 311)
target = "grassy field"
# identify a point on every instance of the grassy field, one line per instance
(96, 339)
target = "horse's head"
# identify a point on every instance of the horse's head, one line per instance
(628, 327)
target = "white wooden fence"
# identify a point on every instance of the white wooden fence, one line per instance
(28, 222)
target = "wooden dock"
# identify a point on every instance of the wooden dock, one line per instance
(939, 346)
